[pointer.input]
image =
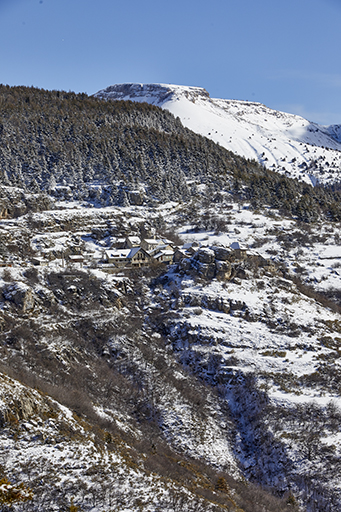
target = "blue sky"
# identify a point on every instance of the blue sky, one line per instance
(283, 54)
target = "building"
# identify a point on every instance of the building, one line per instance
(134, 257)
(150, 244)
(239, 251)
(164, 256)
(132, 241)
(76, 258)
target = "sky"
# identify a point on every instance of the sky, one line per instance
(283, 54)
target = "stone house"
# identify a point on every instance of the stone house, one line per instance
(40, 261)
(239, 251)
(164, 255)
(135, 257)
(76, 258)
(150, 244)
(132, 241)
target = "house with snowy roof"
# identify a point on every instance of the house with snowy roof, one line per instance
(152, 244)
(164, 255)
(239, 250)
(149, 244)
(132, 241)
(76, 258)
(135, 257)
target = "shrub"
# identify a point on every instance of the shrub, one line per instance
(11, 494)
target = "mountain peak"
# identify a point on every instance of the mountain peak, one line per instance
(280, 141)
(155, 94)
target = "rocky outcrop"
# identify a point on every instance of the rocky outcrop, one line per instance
(206, 270)
(209, 263)
(224, 264)
(213, 303)
(223, 270)
(205, 255)
(18, 402)
(222, 253)
(136, 198)
(21, 295)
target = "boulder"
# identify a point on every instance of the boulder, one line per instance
(205, 255)
(237, 305)
(21, 295)
(45, 297)
(136, 198)
(195, 300)
(222, 306)
(211, 270)
(223, 270)
(185, 264)
(206, 270)
(241, 273)
(221, 253)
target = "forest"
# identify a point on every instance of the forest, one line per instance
(75, 147)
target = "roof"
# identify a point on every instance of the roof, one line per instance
(152, 241)
(134, 239)
(167, 241)
(118, 253)
(236, 246)
(164, 253)
(124, 253)
(133, 251)
(76, 257)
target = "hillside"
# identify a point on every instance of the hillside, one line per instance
(210, 382)
(115, 405)
(282, 142)
(72, 147)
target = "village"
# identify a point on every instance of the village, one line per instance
(130, 252)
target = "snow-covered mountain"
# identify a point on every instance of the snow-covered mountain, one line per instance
(171, 387)
(280, 141)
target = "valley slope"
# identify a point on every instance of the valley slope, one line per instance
(211, 383)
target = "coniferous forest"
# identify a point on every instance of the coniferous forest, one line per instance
(72, 146)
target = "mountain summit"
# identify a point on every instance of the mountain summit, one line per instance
(283, 142)
(155, 94)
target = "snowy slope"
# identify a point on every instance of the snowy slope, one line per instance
(282, 142)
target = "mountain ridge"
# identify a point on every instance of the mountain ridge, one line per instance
(283, 142)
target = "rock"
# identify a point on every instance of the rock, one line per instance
(187, 299)
(204, 301)
(221, 305)
(136, 198)
(185, 265)
(21, 295)
(205, 255)
(225, 307)
(250, 316)
(195, 300)
(211, 270)
(223, 270)
(223, 276)
(221, 253)
(202, 270)
(270, 268)
(206, 271)
(45, 297)
(241, 273)
(237, 305)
